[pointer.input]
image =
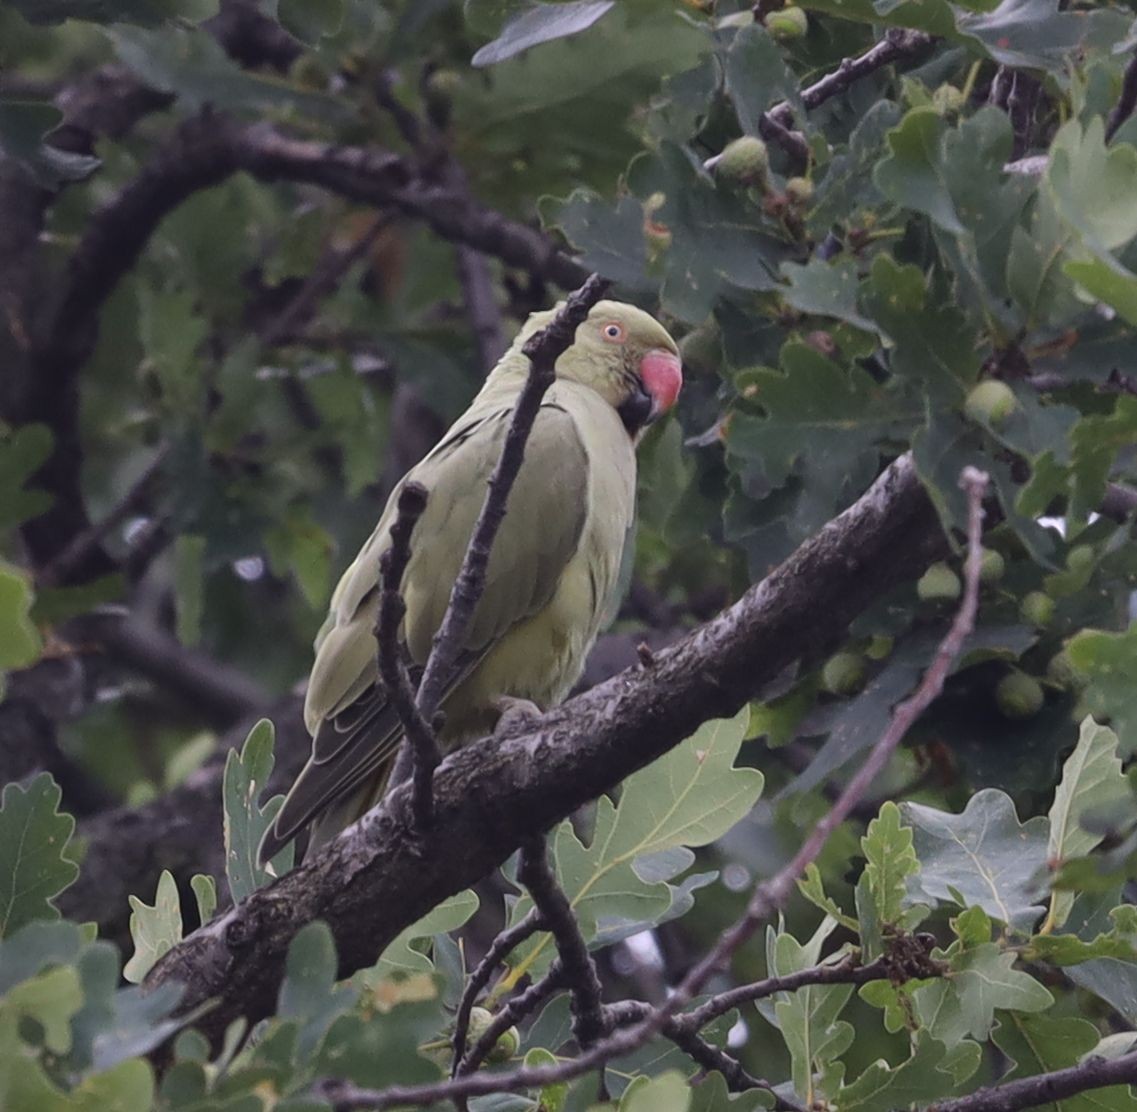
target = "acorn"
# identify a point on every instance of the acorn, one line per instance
(947, 99)
(799, 191)
(843, 674)
(1061, 672)
(992, 566)
(787, 24)
(1037, 609)
(1019, 695)
(991, 402)
(1080, 558)
(938, 584)
(508, 1042)
(746, 161)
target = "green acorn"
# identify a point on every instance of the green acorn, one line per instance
(938, 584)
(1037, 609)
(788, 24)
(843, 674)
(1019, 695)
(991, 402)
(746, 161)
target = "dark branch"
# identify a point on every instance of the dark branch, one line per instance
(588, 1024)
(369, 883)
(1123, 109)
(392, 670)
(1047, 1088)
(738, 1078)
(74, 555)
(502, 945)
(896, 45)
(542, 349)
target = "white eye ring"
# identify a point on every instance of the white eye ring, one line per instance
(614, 332)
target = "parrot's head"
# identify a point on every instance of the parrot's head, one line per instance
(628, 358)
(622, 353)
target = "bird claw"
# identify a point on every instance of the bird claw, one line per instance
(517, 716)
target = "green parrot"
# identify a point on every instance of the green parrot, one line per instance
(554, 564)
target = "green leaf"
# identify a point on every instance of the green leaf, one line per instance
(20, 643)
(1108, 281)
(827, 289)
(808, 1017)
(402, 957)
(145, 12)
(154, 929)
(669, 1092)
(127, 1087)
(23, 127)
(1090, 184)
(245, 821)
(1091, 780)
(192, 65)
(34, 837)
(617, 884)
(812, 888)
(922, 1078)
(887, 846)
(1108, 662)
(51, 999)
(22, 452)
(757, 76)
(933, 346)
(309, 992)
(982, 858)
(610, 238)
(541, 23)
(310, 20)
(205, 892)
(982, 979)
(913, 175)
(1036, 34)
(711, 1094)
(298, 545)
(1039, 1044)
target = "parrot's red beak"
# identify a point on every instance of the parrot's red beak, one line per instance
(662, 375)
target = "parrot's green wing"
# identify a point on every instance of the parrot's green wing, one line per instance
(355, 732)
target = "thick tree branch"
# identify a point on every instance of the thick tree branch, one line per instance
(370, 882)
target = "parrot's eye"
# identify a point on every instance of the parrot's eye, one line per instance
(614, 332)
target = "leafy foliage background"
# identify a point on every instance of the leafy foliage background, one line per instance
(231, 397)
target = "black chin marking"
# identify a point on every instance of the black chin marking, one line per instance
(635, 410)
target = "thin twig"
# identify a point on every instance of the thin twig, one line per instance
(533, 871)
(1123, 109)
(770, 895)
(507, 940)
(392, 670)
(897, 44)
(738, 1078)
(60, 568)
(322, 281)
(512, 1012)
(543, 349)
